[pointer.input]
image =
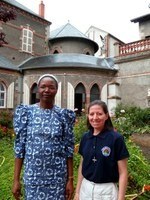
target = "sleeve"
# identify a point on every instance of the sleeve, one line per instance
(68, 124)
(20, 128)
(120, 148)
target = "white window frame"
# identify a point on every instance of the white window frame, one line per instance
(2, 93)
(27, 40)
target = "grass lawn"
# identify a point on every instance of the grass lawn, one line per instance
(6, 168)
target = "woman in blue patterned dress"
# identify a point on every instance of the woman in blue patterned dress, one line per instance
(44, 145)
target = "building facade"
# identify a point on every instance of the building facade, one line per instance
(120, 72)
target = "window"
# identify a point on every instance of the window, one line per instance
(80, 98)
(94, 93)
(27, 40)
(2, 95)
(55, 52)
(87, 51)
(34, 94)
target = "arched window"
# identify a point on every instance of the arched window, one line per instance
(2, 95)
(80, 97)
(55, 52)
(94, 93)
(34, 94)
(87, 51)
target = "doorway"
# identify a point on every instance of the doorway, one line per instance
(34, 94)
(80, 97)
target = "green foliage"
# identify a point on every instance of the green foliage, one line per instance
(134, 120)
(79, 128)
(6, 168)
(76, 162)
(137, 115)
(144, 196)
(6, 119)
(6, 132)
(6, 124)
(138, 167)
(131, 119)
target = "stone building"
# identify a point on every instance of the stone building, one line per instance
(104, 40)
(26, 36)
(132, 61)
(82, 76)
(70, 56)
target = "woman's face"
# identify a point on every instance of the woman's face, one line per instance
(97, 117)
(47, 89)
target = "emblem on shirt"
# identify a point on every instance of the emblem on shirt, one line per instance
(106, 151)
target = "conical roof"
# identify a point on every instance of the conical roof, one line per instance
(69, 31)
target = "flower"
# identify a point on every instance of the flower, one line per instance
(122, 111)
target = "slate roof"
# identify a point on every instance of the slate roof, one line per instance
(22, 7)
(69, 31)
(68, 60)
(6, 64)
(141, 18)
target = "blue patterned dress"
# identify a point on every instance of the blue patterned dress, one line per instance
(44, 138)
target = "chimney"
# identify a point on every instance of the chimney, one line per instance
(41, 9)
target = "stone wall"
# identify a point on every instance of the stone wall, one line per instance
(134, 78)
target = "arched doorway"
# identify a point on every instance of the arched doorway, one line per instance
(94, 93)
(80, 97)
(34, 94)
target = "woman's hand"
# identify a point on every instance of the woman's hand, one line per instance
(16, 190)
(76, 196)
(69, 189)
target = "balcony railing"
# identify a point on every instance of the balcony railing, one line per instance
(134, 47)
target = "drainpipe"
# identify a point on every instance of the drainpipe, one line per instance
(20, 88)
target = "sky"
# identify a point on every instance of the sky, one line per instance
(112, 16)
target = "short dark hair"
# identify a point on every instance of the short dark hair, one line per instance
(108, 123)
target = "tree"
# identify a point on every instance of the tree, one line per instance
(5, 15)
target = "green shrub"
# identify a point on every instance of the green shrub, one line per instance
(76, 162)
(6, 118)
(6, 124)
(131, 119)
(6, 132)
(125, 123)
(79, 128)
(138, 167)
(6, 168)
